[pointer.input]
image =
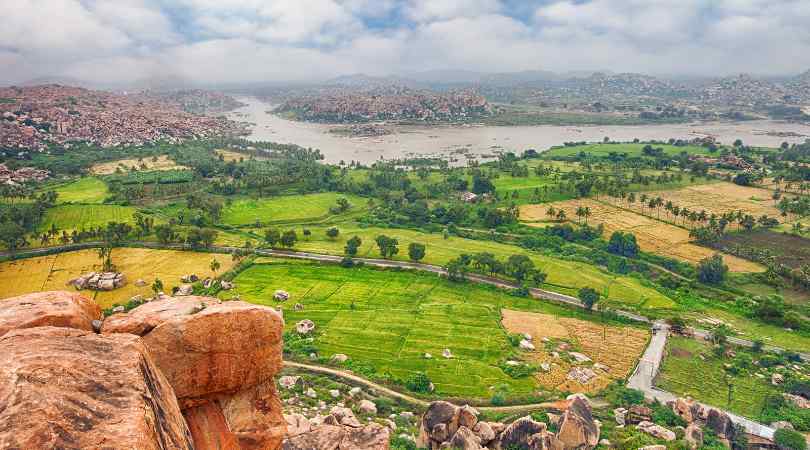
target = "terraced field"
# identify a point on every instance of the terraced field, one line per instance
(50, 273)
(76, 217)
(390, 319)
(563, 276)
(84, 190)
(682, 366)
(653, 236)
(307, 208)
(162, 162)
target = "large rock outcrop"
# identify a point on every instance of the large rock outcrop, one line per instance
(221, 359)
(340, 437)
(42, 309)
(69, 388)
(445, 425)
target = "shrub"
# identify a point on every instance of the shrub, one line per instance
(789, 439)
(418, 382)
(401, 443)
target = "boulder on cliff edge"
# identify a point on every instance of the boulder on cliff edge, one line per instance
(42, 309)
(69, 388)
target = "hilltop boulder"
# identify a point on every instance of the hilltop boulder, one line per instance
(77, 389)
(220, 358)
(578, 429)
(57, 309)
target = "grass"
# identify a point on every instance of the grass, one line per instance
(52, 272)
(603, 150)
(288, 209)
(76, 217)
(390, 319)
(563, 275)
(684, 373)
(84, 190)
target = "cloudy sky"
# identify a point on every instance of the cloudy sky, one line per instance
(217, 41)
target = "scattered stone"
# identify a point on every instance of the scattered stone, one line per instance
(581, 375)
(334, 393)
(342, 416)
(602, 367)
(657, 431)
(428, 356)
(619, 414)
(297, 424)
(140, 283)
(367, 407)
(281, 296)
(797, 400)
(354, 391)
(484, 432)
(207, 283)
(467, 416)
(226, 285)
(782, 424)
(526, 345)
(512, 363)
(527, 336)
(339, 358)
(637, 414)
(118, 309)
(654, 447)
(311, 393)
(545, 366)
(190, 278)
(305, 326)
(605, 443)
(390, 424)
(694, 435)
(97, 326)
(777, 379)
(184, 290)
(99, 281)
(288, 381)
(406, 415)
(298, 307)
(446, 353)
(579, 357)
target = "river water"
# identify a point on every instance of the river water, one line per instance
(460, 143)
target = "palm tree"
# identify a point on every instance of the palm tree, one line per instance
(561, 215)
(586, 212)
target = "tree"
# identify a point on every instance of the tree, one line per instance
(272, 236)
(589, 297)
(307, 233)
(711, 270)
(519, 267)
(623, 244)
(388, 246)
(214, 266)
(165, 234)
(352, 245)
(105, 255)
(289, 238)
(332, 233)
(416, 251)
(12, 235)
(789, 439)
(457, 268)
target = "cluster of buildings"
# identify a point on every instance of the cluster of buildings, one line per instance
(403, 104)
(33, 117)
(23, 175)
(730, 161)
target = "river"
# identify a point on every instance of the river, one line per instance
(470, 141)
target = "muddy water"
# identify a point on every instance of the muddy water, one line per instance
(463, 142)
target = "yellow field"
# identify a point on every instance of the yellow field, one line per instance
(229, 156)
(163, 163)
(618, 348)
(51, 273)
(652, 235)
(720, 198)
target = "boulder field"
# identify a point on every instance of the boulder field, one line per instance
(190, 373)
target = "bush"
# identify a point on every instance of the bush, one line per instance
(662, 414)
(418, 382)
(619, 395)
(519, 371)
(400, 443)
(789, 439)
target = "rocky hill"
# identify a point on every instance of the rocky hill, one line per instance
(33, 117)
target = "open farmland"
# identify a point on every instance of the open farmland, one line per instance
(616, 347)
(228, 156)
(162, 162)
(788, 249)
(390, 319)
(84, 190)
(652, 235)
(563, 275)
(52, 272)
(631, 150)
(308, 208)
(720, 198)
(77, 217)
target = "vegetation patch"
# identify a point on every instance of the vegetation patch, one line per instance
(84, 190)
(289, 209)
(78, 217)
(390, 320)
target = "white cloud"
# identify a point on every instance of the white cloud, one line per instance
(260, 40)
